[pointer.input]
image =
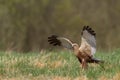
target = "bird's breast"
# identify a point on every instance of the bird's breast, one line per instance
(82, 55)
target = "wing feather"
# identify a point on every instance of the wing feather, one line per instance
(60, 41)
(88, 42)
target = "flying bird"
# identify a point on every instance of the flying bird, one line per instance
(85, 52)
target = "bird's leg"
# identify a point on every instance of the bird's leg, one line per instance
(84, 64)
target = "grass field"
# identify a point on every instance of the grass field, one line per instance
(57, 66)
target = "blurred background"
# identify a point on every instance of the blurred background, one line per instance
(26, 24)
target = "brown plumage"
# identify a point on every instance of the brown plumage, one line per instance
(85, 52)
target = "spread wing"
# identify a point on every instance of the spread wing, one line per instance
(60, 41)
(88, 42)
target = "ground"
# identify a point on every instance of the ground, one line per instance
(53, 65)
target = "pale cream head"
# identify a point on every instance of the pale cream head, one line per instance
(75, 46)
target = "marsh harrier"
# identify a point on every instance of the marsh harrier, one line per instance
(85, 52)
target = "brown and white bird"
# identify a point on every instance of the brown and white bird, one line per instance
(85, 52)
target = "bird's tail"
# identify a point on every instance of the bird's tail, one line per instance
(94, 60)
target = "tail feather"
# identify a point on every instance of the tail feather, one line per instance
(93, 60)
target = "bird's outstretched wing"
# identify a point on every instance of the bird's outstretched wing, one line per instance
(60, 41)
(88, 42)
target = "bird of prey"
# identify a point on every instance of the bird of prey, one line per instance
(85, 52)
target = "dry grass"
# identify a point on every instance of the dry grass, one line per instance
(42, 77)
(54, 66)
